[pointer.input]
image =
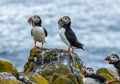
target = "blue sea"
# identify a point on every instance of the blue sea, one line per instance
(96, 24)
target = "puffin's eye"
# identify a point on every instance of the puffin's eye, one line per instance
(113, 57)
(35, 17)
(65, 18)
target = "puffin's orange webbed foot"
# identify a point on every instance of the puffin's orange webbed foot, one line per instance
(65, 51)
(35, 47)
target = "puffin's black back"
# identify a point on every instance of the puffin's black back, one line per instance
(72, 38)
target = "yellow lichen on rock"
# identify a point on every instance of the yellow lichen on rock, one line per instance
(105, 73)
(31, 78)
(38, 79)
(8, 81)
(6, 66)
(63, 80)
(61, 74)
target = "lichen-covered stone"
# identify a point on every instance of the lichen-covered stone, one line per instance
(63, 80)
(6, 81)
(8, 78)
(30, 78)
(21, 78)
(105, 73)
(6, 66)
(55, 66)
(55, 71)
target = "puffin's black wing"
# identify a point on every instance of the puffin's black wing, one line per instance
(99, 78)
(117, 65)
(45, 32)
(71, 37)
(31, 32)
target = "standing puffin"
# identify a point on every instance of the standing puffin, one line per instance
(67, 35)
(38, 32)
(90, 78)
(114, 66)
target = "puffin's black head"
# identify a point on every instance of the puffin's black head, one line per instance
(112, 58)
(64, 22)
(88, 71)
(35, 20)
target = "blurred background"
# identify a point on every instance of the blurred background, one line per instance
(95, 22)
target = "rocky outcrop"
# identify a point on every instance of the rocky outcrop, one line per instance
(48, 66)
(21, 78)
(55, 66)
(6, 66)
(9, 75)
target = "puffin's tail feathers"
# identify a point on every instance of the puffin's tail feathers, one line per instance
(79, 45)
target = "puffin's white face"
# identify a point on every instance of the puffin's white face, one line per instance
(90, 71)
(64, 21)
(35, 19)
(113, 58)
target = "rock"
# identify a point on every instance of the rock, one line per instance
(8, 78)
(31, 78)
(21, 78)
(55, 66)
(106, 74)
(56, 72)
(6, 81)
(6, 66)
(9, 75)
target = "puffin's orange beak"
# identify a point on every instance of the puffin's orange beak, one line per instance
(60, 20)
(83, 72)
(30, 19)
(107, 58)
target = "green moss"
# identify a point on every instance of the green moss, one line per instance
(35, 52)
(54, 70)
(33, 78)
(51, 69)
(6, 81)
(6, 66)
(63, 80)
(26, 66)
(105, 73)
(38, 79)
(53, 74)
(73, 78)
(29, 67)
(49, 53)
(77, 64)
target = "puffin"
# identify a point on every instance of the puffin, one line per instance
(38, 32)
(90, 78)
(67, 35)
(114, 65)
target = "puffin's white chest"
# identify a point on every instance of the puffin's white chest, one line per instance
(38, 34)
(90, 81)
(63, 37)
